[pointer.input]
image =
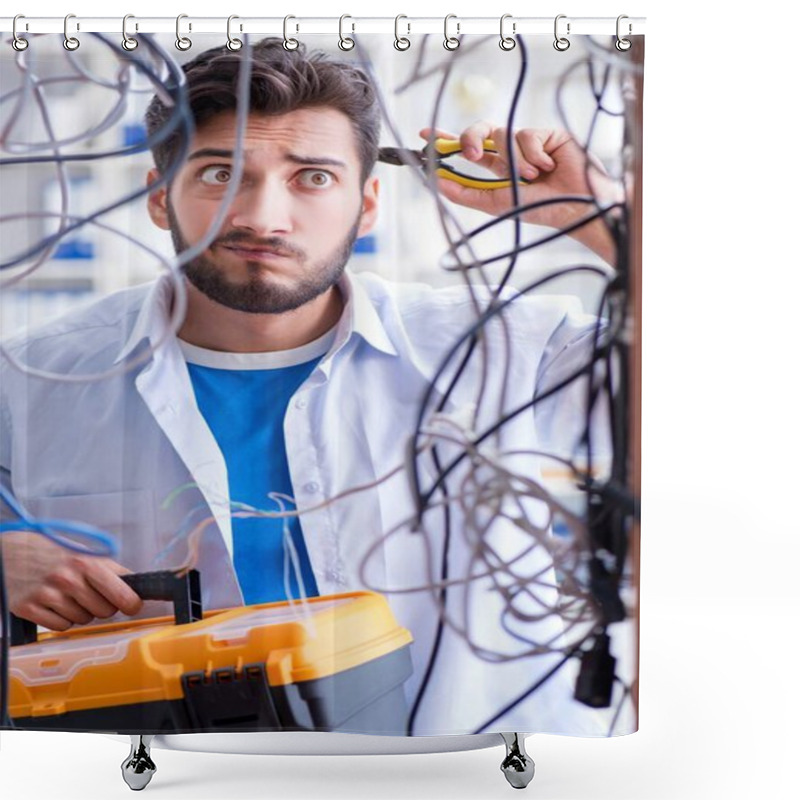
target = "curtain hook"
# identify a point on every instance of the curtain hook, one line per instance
(623, 44)
(451, 42)
(128, 42)
(401, 42)
(182, 42)
(232, 44)
(507, 42)
(289, 43)
(18, 43)
(561, 43)
(345, 42)
(71, 42)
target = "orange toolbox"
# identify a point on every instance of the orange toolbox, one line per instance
(332, 663)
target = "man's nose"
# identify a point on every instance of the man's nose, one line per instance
(264, 209)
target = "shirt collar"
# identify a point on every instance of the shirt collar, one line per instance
(153, 321)
(359, 316)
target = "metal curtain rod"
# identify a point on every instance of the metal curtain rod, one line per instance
(574, 26)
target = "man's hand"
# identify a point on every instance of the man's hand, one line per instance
(557, 167)
(55, 587)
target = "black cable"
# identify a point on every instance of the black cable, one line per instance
(594, 393)
(423, 500)
(472, 334)
(513, 255)
(593, 389)
(181, 120)
(517, 210)
(442, 602)
(512, 164)
(626, 695)
(459, 372)
(571, 653)
(559, 234)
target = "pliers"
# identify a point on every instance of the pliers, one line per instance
(436, 151)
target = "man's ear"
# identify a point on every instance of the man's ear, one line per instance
(157, 201)
(369, 206)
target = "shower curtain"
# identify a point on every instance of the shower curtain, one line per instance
(319, 383)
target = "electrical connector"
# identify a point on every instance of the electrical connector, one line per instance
(596, 677)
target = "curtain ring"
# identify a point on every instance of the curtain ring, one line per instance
(401, 42)
(345, 42)
(561, 43)
(128, 42)
(507, 42)
(182, 42)
(451, 42)
(18, 43)
(232, 44)
(623, 44)
(70, 42)
(289, 43)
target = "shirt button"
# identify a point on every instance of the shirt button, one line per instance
(301, 403)
(334, 576)
(312, 487)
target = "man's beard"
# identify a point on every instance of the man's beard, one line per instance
(257, 296)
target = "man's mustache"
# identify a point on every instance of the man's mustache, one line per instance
(272, 243)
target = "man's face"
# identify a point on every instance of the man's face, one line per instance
(296, 213)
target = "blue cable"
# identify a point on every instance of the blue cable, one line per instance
(53, 529)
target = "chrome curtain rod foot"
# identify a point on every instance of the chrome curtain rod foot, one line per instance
(138, 768)
(517, 766)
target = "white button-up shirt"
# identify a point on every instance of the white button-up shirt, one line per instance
(110, 453)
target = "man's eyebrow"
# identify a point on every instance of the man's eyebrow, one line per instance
(311, 161)
(210, 152)
(295, 158)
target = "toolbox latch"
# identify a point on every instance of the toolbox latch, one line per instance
(230, 699)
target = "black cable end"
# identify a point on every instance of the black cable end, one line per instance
(596, 677)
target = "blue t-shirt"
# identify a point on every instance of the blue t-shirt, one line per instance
(243, 397)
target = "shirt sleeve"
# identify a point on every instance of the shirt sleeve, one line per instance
(571, 369)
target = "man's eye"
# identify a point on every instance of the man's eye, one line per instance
(215, 176)
(315, 178)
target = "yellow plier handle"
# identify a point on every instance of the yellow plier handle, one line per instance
(447, 147)
(436, 152)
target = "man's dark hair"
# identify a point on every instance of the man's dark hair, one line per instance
(281, 81)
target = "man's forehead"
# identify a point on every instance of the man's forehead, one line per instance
(322, 129)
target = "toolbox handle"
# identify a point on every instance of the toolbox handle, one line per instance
(183, 592)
